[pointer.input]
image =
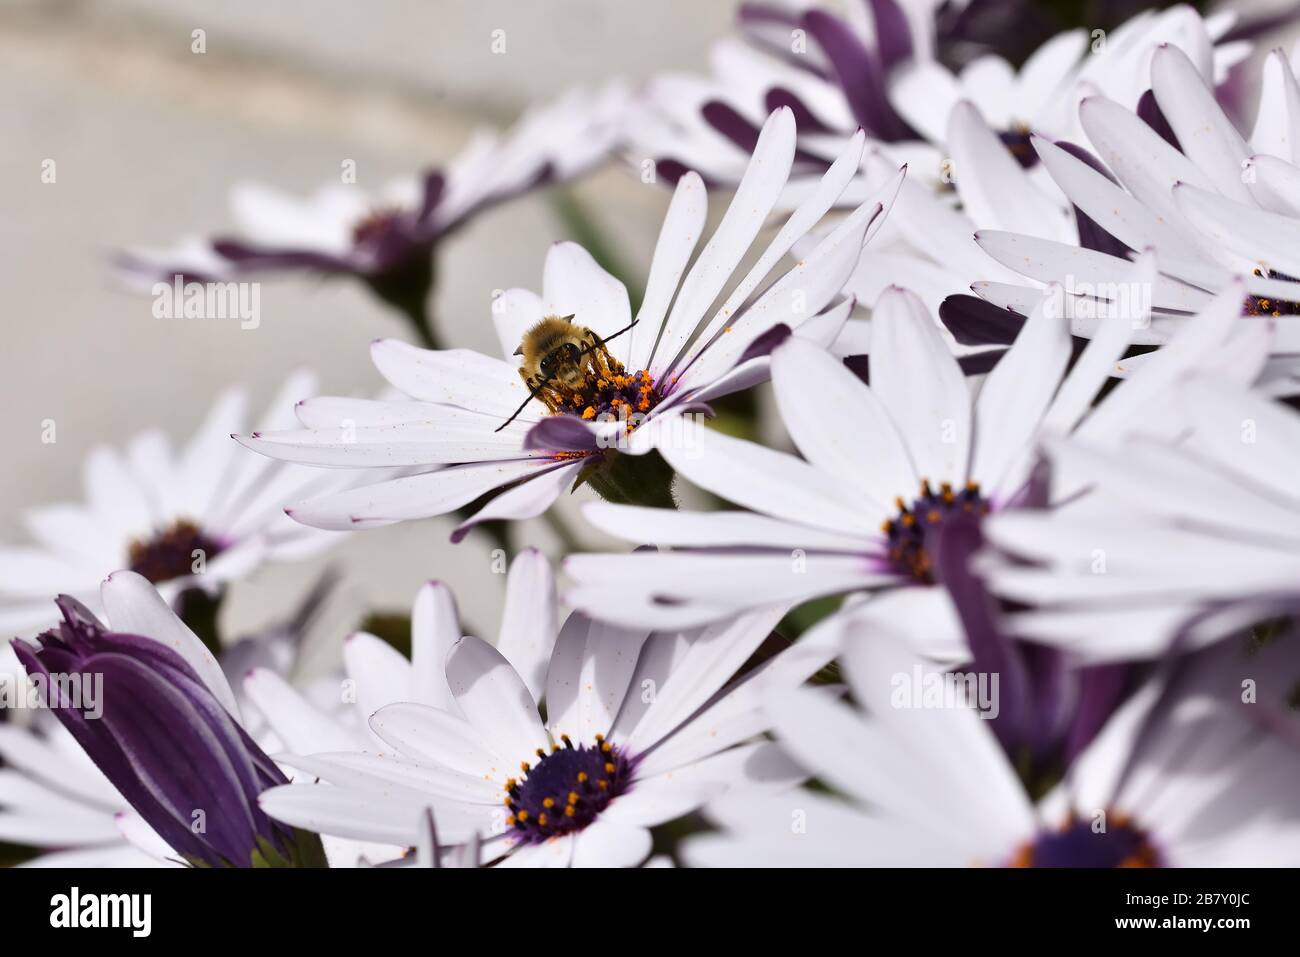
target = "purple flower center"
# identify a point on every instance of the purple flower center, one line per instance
(172, 552)
(599, 388)
(1263, 306)
(1085, 843)
(376, 227)
(565, 790)
(1018, 141)
(912, 535)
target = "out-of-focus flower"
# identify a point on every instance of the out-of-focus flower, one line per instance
(388, 239)
(885, 466)
(196, 520)
(830, 70)
(1192, 771)
(640, 729)
(1183, 541)
(151, 708)
(581, 408)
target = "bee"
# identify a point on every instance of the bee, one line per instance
(559, 353)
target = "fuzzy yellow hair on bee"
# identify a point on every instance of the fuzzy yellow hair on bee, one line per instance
(558, 353)
(556, 350)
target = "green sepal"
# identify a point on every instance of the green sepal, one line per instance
(631, 479)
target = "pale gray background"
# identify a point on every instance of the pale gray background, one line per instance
(148, 137)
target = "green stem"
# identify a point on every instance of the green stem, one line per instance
(199, 611)
(406, 289)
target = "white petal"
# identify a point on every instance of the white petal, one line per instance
(1096, 364)
(641, 525)
(715, 655)
(839, 424)
(995, 190)
(1250, 232)
(1277, 124)
(1122, 215)
(495, 700)
(773, 482)
(575, 284)
(413, 496)
(459, 377)
(528, 623)
(921, 386)
(380, 673)
(528, 499)
(754, 199)
(678, 237)
(299, 724)
(134, 606)
(609, 843)
(437, 737)
(1016, 393)
(1205, 135)
(435, 627)
(513, 313)
(588, 676)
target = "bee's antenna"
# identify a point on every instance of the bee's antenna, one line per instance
(522, 405)
(614, 335)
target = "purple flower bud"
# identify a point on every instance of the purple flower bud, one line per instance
(165, 742)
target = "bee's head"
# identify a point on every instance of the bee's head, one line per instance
(558, 358)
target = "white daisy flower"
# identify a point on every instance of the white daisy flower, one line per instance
(1189, 773)
(640, 729)
(197, 519)
(883, 466)
(1183, 541)
(593, 383)
(1180, 180)
(942, 251)
(340, 229)
(377, 675)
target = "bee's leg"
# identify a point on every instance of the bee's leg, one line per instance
(595, 353)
